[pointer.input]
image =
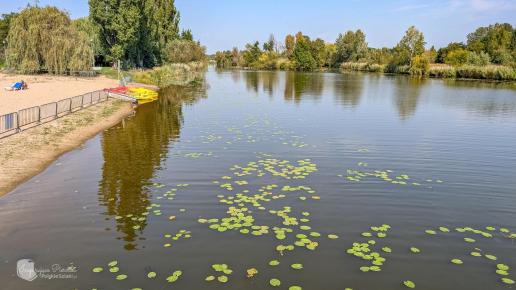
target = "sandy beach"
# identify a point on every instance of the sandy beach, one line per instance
(26, 154)
(45, 89)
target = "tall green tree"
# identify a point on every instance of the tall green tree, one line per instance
(302, 55)
(351, 46)
(411, 45)
(135, 31)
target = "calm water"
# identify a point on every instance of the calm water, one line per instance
(451, 145)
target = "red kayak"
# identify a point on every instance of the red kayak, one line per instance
(117, 90)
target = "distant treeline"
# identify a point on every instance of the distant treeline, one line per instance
(490, 53)
(139, 34)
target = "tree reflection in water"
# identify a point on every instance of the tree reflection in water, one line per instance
(133, 151)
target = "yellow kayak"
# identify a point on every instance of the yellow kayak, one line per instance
(143, 95)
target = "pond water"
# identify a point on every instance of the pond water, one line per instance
(249, 161)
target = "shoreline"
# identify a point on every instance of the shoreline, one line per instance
(28, 153)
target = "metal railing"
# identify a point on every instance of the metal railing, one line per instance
(16, 122)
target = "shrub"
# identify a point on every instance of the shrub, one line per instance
(481, 58)
(419, 66)
(457, 57)
(184, 51)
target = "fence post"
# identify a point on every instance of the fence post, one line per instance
(39, 114)
(82, 102)
(70, 107)
(17, 122)
(56, 109)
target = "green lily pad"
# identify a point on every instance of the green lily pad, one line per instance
(476, 254)
(297, 266)
(332, 236)
(457, 261)
(274, 263)
(295, 288)
(415, 250)
(502, 267)
(275, 282)
(502, 272)
(97, 269)
(112, 263)
(151, 275)
(114, 269)
(209, 278)
(222, 279)
(430, 232)
(409, 284)
(491, 257)
(469, 240)
(121, 277)
(387, 249)
(507, 281)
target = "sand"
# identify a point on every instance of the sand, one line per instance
(45, 89)
(28, 153)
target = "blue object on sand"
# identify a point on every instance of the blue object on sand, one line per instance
(17, 86)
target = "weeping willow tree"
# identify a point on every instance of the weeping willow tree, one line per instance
(44, 39)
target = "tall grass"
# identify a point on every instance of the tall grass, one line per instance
(488, 72)
(363, 66)
(171, 74)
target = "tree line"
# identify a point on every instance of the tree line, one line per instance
(138, 33)
(494, 44)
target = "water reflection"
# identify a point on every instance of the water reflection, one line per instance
(133, 152)
(406, 95)
(299, 86)
(348, 89)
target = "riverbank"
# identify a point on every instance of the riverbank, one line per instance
(174, 74)
(488, 72)
(28, 153)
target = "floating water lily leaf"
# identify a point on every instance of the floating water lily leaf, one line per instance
(114, 269)
(364, 269)
(151, 275)
(275, 282)
(430, 232)
(387, 249)
(274, 263)
(475, 254)
(209, 278)
(415, 250)
(409, 284)
(457, 261)
(469, 240)
(297, 266)
(444, 229)
(502, 272)
(332, 236)
(491, 257)
(222, 279)
(112, 263)
(121, 277)
(295, 288)
(507, 281)
(97, 269)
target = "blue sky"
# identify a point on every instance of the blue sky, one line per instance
(222, 24)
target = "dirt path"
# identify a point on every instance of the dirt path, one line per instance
(28, 153)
